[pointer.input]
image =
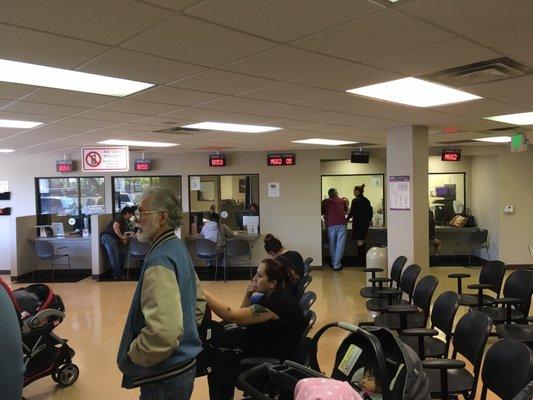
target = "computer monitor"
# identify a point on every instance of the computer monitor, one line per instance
(241, 213)
(441, 191)
(44, 219)
(251, 222)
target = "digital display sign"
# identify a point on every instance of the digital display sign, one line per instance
(64, 166)
(143, 165)
(276, 160)
(361, 157)
(451, 155)
(217, 160)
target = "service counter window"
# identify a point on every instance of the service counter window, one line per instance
(127, 190)
(447, 195)
(373, 191)
(70, 196)
(234, 197)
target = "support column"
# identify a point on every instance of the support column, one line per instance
(408, 229)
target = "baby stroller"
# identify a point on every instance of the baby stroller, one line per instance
(399, 366)
(40, 311)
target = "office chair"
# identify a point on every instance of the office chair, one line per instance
(44, 251)
(137, 251)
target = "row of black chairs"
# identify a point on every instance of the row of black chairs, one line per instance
(409, 317)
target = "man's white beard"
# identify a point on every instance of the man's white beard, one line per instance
(144, 235)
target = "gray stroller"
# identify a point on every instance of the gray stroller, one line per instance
(399, 366)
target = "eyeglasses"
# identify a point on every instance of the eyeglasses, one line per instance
(138, 214)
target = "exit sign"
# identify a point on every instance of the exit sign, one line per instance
(518, 142)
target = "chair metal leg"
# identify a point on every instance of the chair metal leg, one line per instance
(69, 266)
(127, 265)
(34, 269)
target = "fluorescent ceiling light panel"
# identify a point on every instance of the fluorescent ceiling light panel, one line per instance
(495, 139)
(140, 143)
(13, 123)
(514, 119)
(6, 150)
(221, 126)
(327, 142)
(414, 92)
(40, 75)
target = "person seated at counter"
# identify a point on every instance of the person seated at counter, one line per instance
(437, 244)
(115, 235)
(215, 231)
(273, 327)
(291, 260)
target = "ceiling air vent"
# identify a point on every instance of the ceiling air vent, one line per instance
(504, 129)
(357, 145)
(480, 72)
(178, 130)
(458, 142)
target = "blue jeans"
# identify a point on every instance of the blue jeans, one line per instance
(110, 244)
(175, 388)
(336, 239)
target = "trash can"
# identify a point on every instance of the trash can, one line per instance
(376, 257)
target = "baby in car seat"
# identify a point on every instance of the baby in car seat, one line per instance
(370, 383)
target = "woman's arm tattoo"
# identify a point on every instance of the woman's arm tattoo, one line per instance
(257, 309)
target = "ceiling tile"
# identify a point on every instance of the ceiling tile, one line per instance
(83, 122)
(176, 96)
(249, 119)
(480, 108)
(350, 77)
(463, 16)
(286, 63)
(238, 104)
(110, 116)
(282, 20)
(138, 107)
(508, 38)
(138, 127)
(198, 114)
(34, 47)
(374, 36)
(287, 111)
(140, 67)
(28, 116)
(285, 92)
(108, 22)
(217, 81)
(68, 98)
(13, 91)
(175, 5)
(512, 91)
(359, 121)
(46, 109)
(434, 57)
(6, 132)
(218, 45)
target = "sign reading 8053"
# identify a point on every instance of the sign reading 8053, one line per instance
(111, 158)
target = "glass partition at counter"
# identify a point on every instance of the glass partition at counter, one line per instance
(127, 190)
(374, 191)
(70, 196)
(446, 195)
(234, 197)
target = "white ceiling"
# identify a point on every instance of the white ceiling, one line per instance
(271, 62)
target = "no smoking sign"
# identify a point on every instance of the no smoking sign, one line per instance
(111, 158)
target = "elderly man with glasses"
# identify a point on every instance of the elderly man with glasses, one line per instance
(160, 340)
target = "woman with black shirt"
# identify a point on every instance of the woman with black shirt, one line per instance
(290, 259)
(361, 214)
(273, 326)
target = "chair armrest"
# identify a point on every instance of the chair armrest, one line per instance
(420, 332)
(461, 275)
(479, 286)
(402, 309)
(443, 363)
(251, 362)
(390, 292)
(507, 300)
(380, 280)
(62, 247)
(372, 269)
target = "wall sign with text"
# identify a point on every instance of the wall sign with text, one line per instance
(399, 193)
(278, 160)
(105, 159)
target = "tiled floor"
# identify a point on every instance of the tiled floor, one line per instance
(96, 312)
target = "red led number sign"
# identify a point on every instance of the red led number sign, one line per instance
(451, 155)
(275, 160)
(217, 160)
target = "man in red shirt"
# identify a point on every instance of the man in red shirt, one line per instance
(334, 210)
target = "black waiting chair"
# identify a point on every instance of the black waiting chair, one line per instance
(490, 277)
(206, 250)
(450, 376)
(377, 283)
(307, 300)
(514, 306)
(424, 340)
(507, 369)
(520, 332)
(304, 283)
(402, 316)
(238, 248)
(476, 240)
(307, 265)
(526, 393)
(44, 251)
(137, 251)
(390, 296)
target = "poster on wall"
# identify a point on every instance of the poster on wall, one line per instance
(399, 193)
(110, 158)
(273, 189)
(4, 186)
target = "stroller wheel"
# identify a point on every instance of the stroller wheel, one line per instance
(67, 374)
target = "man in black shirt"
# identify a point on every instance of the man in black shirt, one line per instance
(112, 238)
